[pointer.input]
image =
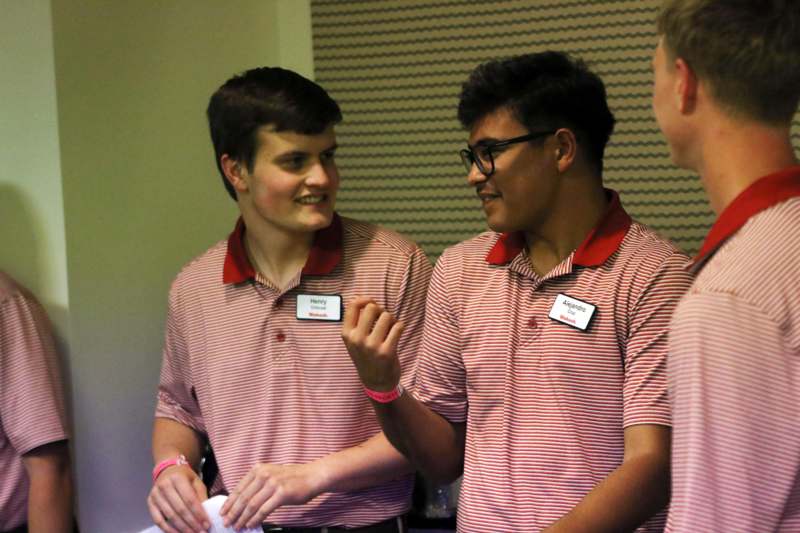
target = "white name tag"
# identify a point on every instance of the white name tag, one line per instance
(319, 307)
(572, 312)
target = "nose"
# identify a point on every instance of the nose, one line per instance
(323, 175)
(475, 176)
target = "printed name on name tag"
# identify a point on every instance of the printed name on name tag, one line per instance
(319, 307)
(572, 312)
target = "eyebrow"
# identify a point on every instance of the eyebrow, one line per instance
(485, 141)
(302, 153)
(290, 155)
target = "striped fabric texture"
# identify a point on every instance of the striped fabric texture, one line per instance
(269, 388)
(396, 68)
(734, 381)
(31, 394)
(545, 404)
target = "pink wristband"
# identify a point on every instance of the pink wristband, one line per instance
(385, 397)
(163, 465)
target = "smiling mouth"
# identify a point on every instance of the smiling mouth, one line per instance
(312, 199)
(487, 197)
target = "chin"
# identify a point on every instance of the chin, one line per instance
(320, 221)
(500, 226)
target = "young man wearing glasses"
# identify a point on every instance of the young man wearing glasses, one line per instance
(253, 359)
(727, 86)
(542, 367)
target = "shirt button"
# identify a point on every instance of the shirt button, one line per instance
(278, 303)
(532, 323)
(280, 337)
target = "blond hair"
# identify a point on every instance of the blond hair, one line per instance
(747, 51)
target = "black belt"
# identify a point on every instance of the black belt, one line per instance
(392, 525)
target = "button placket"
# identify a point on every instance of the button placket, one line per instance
(280, 326)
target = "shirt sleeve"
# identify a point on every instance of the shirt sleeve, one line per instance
(176, 395)
(441, 376)
(31, 391)
(411, 310)
(736, 441)
(645, 398)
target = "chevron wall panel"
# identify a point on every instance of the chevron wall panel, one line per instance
(396, 67)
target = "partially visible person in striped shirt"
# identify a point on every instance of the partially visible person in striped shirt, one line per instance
(727, 85)
(253, 359)
(35, 473)
(542, 372)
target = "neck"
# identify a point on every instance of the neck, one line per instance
(578, 207)
(276, 254)
(734, 155)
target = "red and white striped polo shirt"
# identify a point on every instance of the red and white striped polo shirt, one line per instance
(31, 394)
(734, 370)
(267, 387)
(545, 403)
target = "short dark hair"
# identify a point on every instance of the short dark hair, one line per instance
(546, 90)
(265, 96)
(747, 50)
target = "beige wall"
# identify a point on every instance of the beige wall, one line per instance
(396, 67)
(31, 203)
(123, 86)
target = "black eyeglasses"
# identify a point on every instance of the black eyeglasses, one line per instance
(483, 157)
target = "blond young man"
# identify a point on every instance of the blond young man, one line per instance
(727, 84)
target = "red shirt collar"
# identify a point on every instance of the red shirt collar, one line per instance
(599, 244)
(325, 254)
(762, 194)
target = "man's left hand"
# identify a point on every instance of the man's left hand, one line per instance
(267, 487)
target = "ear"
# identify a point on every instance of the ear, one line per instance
(686, 86)
(566, 149)
(234, 172)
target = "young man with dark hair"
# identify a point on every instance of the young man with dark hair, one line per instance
(727, 84)
(541, 371)
(36, 480)
(253, 360)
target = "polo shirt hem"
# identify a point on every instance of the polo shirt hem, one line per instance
(169, 409)
(31, 445)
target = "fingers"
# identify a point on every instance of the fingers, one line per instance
(231, 509)
(353, 311)
(243, 503)
(200, 491)
(393, 337)
(273, 502)
(267, 487)
(366, 322)
(158, 517)
(371, 335)
(174, 504)
(252, 514)
(235, 493)
(381, 326)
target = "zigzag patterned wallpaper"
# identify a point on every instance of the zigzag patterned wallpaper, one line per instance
(396, 68)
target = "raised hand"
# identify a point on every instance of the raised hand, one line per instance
(371, 335)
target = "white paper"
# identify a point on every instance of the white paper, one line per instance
(212, 507)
